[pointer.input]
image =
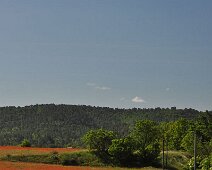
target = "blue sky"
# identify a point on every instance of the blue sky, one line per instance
(116, 53)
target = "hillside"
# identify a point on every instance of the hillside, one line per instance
(53, 125)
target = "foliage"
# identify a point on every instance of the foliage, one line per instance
(144, 133)
(190, 164)
(206, 163)
(176, 159)
(25, 143)
(141, 147)
(84, 158)
(50, 125)
(45, 158)
(201, 163)
(61, 125)
(202, 127)
(122, 150)
(74, 159)
(80, 158)
(146, 136)
(99, 140)
(176, 132)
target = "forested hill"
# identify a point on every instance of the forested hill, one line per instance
(58, 125)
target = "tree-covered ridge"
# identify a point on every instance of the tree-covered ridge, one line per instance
(53, 125)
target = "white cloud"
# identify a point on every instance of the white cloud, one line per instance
(94, 85)
(138, 100)
(102, 88)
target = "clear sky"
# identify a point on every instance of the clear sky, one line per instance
(115, 53)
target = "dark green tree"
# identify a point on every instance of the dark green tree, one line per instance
(146, 137)
(203, 129)
(122, 150)
(176, 131)
(99, 140)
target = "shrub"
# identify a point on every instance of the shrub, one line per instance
(190, 164)
(122, 150)
(25, 143)
(206, 164)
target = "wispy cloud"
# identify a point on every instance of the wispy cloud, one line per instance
(102, 88)
(138, 100)
(94, 85)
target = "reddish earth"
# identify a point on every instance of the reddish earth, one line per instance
(17, 150)
(38, 149)
(4, 165)
(33, 166)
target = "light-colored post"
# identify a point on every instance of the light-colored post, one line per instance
(163, 154)
(166, 153)
(195, 149)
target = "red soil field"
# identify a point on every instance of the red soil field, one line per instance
(17, 150)
(4, 165)
(39, 149)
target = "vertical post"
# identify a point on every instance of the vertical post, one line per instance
(163, 155)
(166, 153)
(195, 149)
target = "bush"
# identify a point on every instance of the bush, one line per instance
(206, 164)
(68, 160)
(122, 150)
(25, 143)
(54, 157)
(190, 164)
(81, 158)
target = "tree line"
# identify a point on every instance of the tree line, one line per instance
(50, 125)
(142, 146)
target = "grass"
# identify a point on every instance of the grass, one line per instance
(17, 150)
(177, 159)
(74, 158)
(78, 159)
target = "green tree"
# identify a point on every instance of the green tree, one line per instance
(99, 140)
(176, 131)
(203, 139)
(122, 150)
(146, 136)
